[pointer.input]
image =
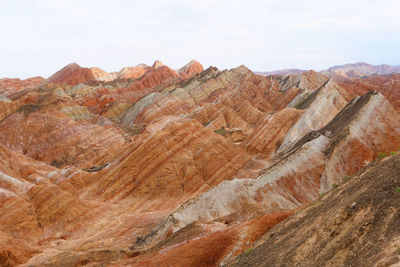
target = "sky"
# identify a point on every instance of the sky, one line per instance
(39, 37)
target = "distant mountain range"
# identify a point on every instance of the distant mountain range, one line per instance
(346, 71)
(280, 72)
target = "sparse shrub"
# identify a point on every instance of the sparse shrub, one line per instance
(250, 250)
(346, 178)
(393, 153)
(221, 131)
(57, 163)
(397, 251)
(382, 155)
(135, 129)
(96, 168)
(224, 132)
(335, 185)
(29, 108)
(398, 189)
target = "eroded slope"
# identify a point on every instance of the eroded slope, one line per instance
(355, 224)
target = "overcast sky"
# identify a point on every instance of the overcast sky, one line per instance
(38, 37)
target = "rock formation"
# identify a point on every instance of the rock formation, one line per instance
(149, 166)
(8, 86)
(355, 224)
(73, 74)
(387, 85)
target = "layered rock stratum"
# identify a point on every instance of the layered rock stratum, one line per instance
(151, 166)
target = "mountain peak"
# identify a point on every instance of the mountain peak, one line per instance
(71, 74)
(191, 68)
(72, 65)
(142, 65)
(157, 64)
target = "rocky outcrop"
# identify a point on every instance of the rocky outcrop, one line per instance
(126, 73)
(11, 86)
(269, 135)
(157, 75)
(175, 158)
(315, 164)
(215, 244)
(290, 90)
(320, 107)
(191, 69)
(356, 224)
(388, 85)
(60, 137)
(73, 74)
(98, 73)
(133, 72)
(14, 251)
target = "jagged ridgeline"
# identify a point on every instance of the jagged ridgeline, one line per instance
(151, 166)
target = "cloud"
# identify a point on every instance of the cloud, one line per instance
(45, 35)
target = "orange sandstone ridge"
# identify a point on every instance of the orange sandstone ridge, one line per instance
(149, 166)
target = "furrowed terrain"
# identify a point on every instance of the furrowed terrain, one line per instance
(355, 224)
(151, 166)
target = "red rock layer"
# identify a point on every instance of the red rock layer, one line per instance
(72, 74)
(285, 88)
(191, 69)
(51, 136)
(158, 74)
(188, 158)
(98, 73)
(9, 86)
(269, 135)
(388, 85)
(142, 79)
(210, 246)
(133, 72)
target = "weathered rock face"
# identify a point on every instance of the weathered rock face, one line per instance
(214, 245)
(56, 138)
(73, 74)
(126, 73)
(133, 72)
(321, 107)
(269, 135)
(14, 251)
(290, 90)
(153, 166)
(343, 228)
(98, 73)
(157, 75)
(388, 85)
(191, 69)
(188, 158)
(316, 163)
(19, 227)
(7, 107)
(11, 86)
